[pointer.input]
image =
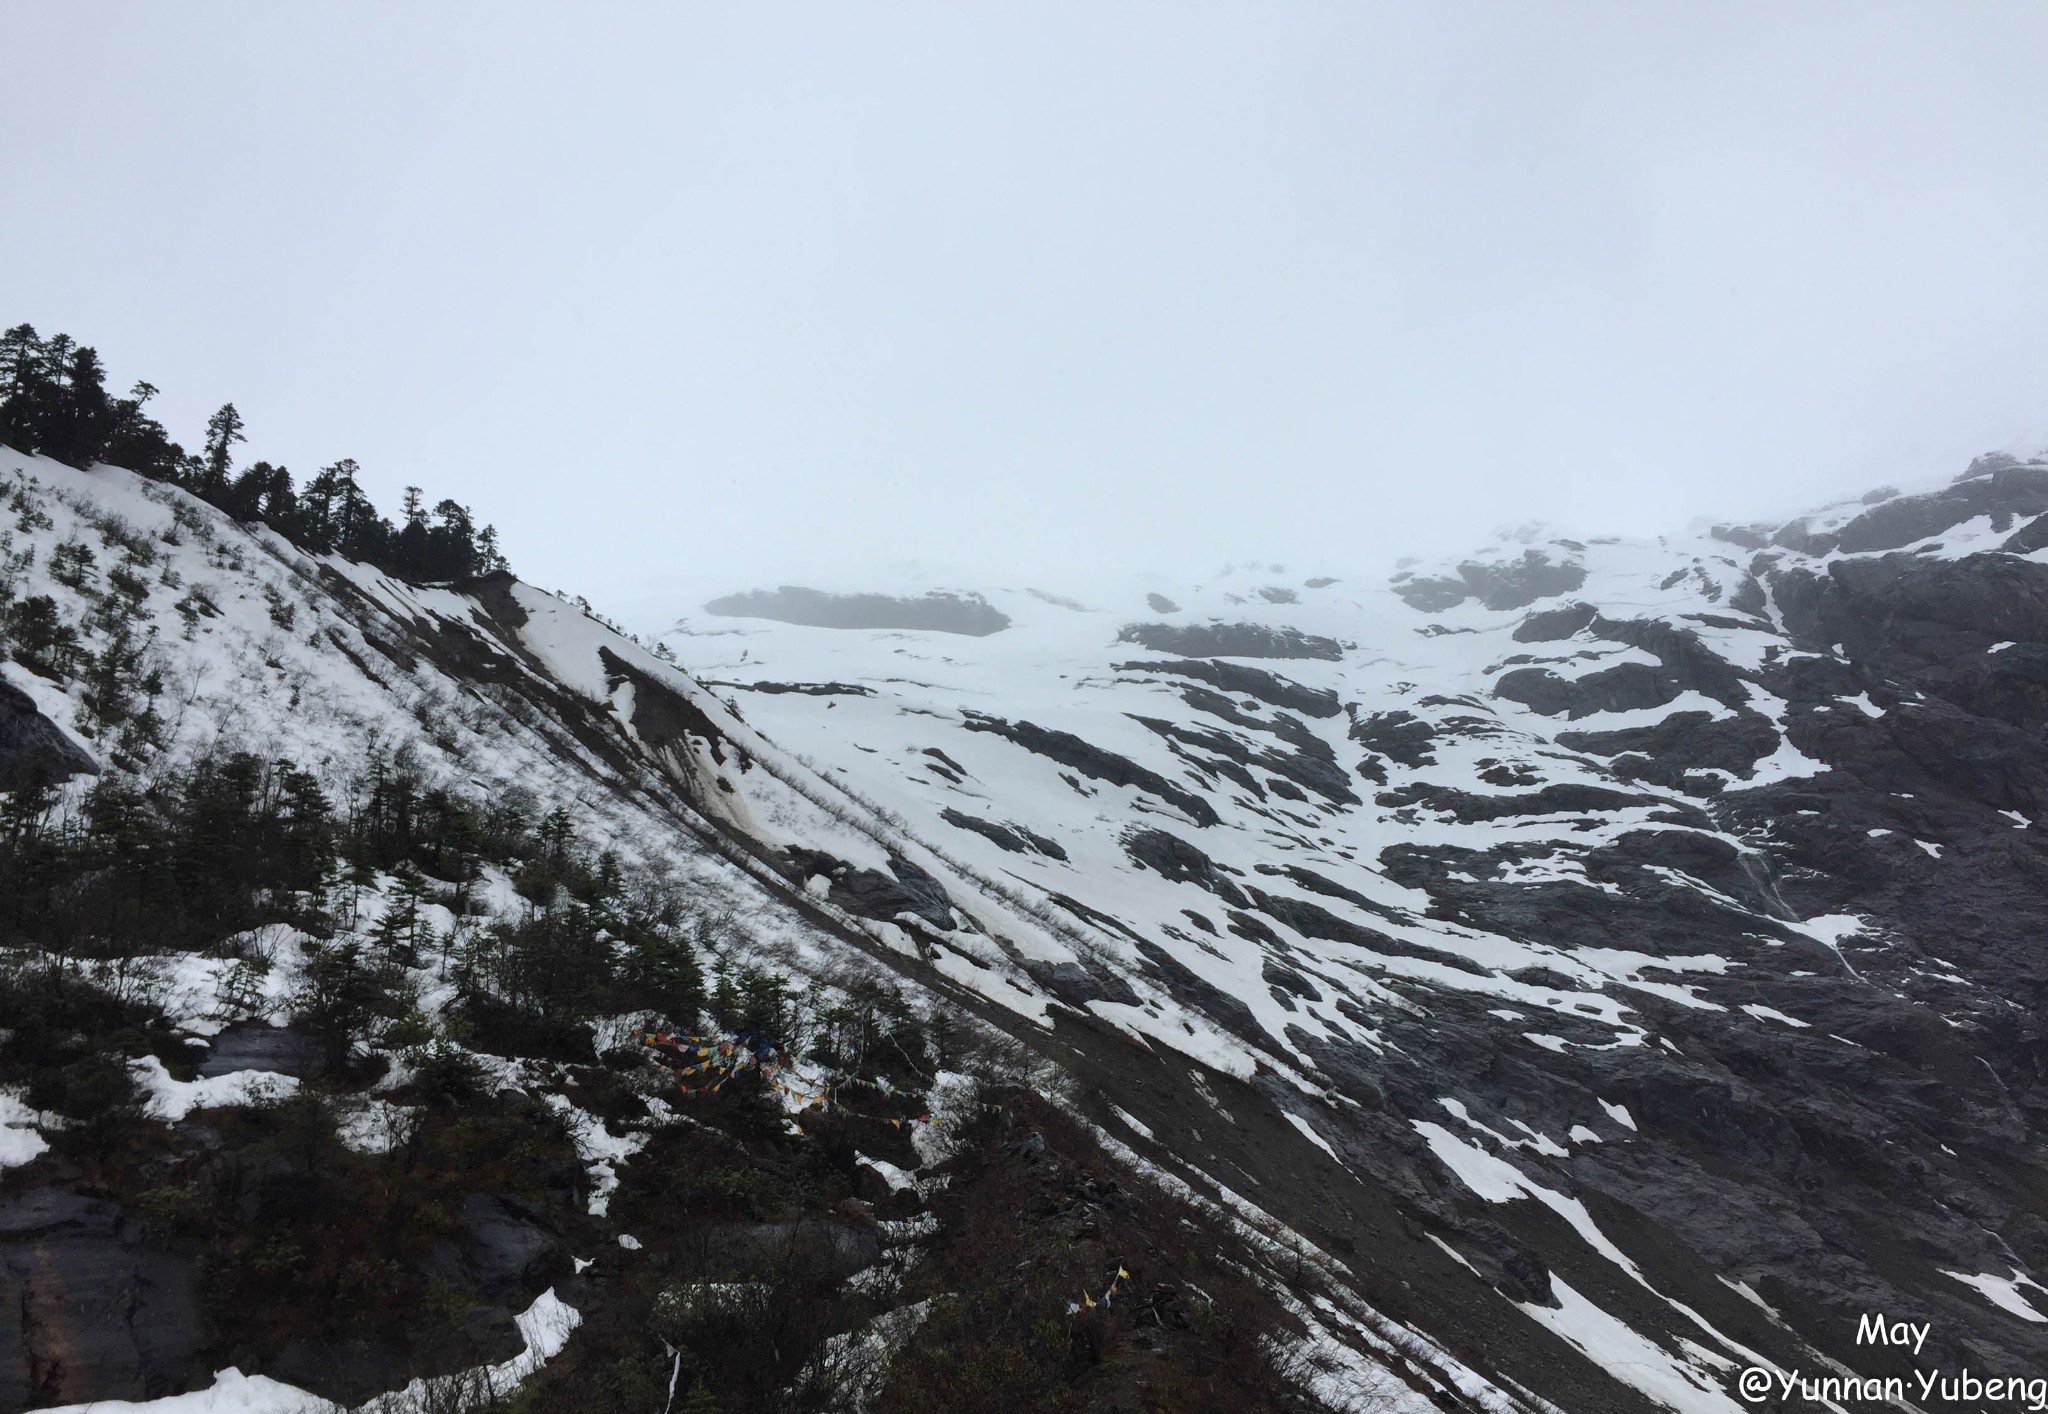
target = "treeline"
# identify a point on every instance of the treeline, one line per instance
(54, 402)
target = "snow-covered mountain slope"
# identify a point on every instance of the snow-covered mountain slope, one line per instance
(1605, 965)
(1687, 888)
(240, 642)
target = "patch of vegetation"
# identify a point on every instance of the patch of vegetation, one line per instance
(1035, 1220)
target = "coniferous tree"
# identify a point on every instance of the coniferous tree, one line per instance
(137, 441)
(410, 549)
(21, 370)
(223, 431)
(243, 497)
(80, 416)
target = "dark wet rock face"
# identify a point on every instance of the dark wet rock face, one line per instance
(1231, 641)
(1078, 984)
(506, 1247)
(91, 1310)
(258, 1047)
(906, 889)
(1176, 859)
(940, 611)
(1014, 838)
(34, 749)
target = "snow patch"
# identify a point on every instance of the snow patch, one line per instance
(2004, 1292)
(171, 1100)
(232, 1392)
(1764, 1013)
(1631, 1357)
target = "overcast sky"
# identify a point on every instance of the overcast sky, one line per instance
(759, 293)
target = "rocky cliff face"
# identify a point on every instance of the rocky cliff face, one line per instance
(1597, 967)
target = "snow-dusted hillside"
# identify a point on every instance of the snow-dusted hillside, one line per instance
(1591, 969)
(502, 693)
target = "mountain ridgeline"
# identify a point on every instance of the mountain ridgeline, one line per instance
(54, 402)
(1565, 979)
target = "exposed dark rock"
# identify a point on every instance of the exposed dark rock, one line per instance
(1550, 625)
(876, 895)
(1160, 604)
(1801, 536)
(1014, 838)
(1077, 984)
(1398, 736)
(1176, 859)
(1302, 757)
(508, 1248)
(1684, 662)
(494, 592)
(32, 747)
(940, 611)
(1681, 653)
(1251, 929)
(1286, 982)
(1318, 884)
(259, 1047)
(1231, 641)
(1089, 760)
(1708, 858)
(1686, 741)
(1512, 584)
(1269, 688)
(1559, 798)
(2028, 538)
(1190, 989)
(949, 762)
(807, 689)
(1515, 1270)
(2006, 491)
(664, 717)
(1625, 687)
(1749, 537)
(1314, 921)
(93, 1312)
